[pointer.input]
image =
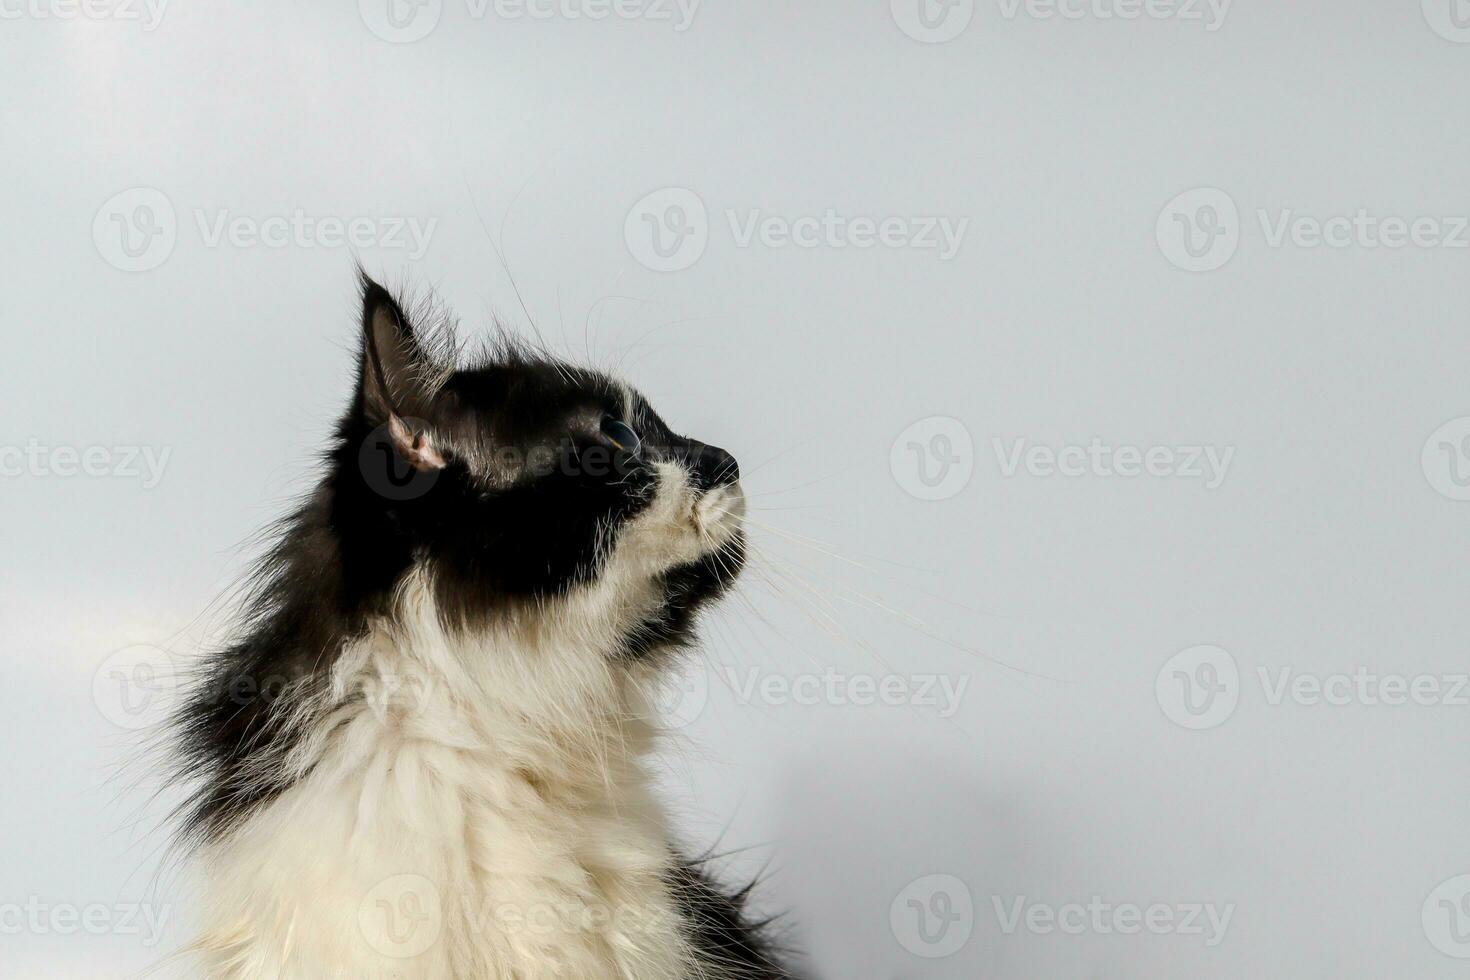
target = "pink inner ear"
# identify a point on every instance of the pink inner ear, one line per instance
(415, 447)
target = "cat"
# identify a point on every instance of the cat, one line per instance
(422, 757)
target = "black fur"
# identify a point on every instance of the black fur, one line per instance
(720, 927)
(521, 510)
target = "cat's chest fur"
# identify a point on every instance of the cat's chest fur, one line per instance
(460, 813)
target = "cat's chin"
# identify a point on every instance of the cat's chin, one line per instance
(709, 577)
(719, 514)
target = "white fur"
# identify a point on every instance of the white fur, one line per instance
(474, 807)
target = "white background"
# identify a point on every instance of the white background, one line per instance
(1064, 316)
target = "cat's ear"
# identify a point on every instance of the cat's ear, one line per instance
(393, 379)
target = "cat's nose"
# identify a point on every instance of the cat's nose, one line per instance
(712, 466)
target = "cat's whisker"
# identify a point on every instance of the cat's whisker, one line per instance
(798, 581)
(828, 550)
(865, 600)
(773, 492)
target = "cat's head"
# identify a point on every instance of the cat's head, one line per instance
(520, 481)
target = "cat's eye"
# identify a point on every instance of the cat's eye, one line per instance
(621, 435)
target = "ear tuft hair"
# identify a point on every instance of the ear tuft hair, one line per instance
(397, 378)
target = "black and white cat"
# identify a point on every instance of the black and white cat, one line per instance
(422, 758)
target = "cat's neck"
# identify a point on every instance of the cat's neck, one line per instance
(496, 774)
(540, 690)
